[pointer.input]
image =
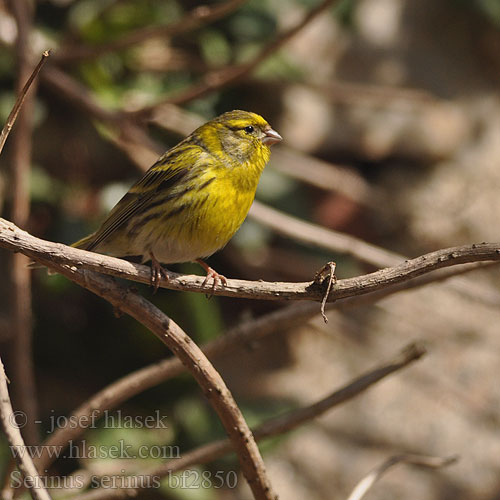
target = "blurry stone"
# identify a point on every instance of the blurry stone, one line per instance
(379, 21)
(306, 120)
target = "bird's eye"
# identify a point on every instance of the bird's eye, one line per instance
(249, 129)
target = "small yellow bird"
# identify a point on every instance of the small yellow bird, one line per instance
(193, 199)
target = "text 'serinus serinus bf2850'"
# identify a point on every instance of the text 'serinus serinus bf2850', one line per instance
(193, 199)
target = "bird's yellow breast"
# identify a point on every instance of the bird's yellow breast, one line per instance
(218, 210)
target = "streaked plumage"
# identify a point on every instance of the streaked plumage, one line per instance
(194, 198)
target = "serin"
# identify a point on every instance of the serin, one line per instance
(192, 201)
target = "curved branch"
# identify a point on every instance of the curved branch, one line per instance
(59, 256)
(214, 388)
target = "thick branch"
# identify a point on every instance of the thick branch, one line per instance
(57, 254)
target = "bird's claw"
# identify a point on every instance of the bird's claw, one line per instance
(157, 273)
(219, 279)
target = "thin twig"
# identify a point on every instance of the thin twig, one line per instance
(278, 425)
(274, 426)
(17, 446)
(420, 460)
(223, 77)
(57, 254)
(198, 17)
(20, 100)
(214, 388)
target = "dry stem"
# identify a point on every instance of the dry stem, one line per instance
(17, 446)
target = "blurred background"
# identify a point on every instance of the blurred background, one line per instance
(390, 114)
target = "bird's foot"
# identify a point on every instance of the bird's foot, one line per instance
(157, 272)
(212, 273)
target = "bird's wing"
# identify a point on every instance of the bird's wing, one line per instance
(163, 176)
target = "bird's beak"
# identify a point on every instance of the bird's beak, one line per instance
(271, 137)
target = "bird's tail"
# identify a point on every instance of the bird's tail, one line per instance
(84, 243)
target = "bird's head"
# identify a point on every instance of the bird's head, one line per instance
(242, 135)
